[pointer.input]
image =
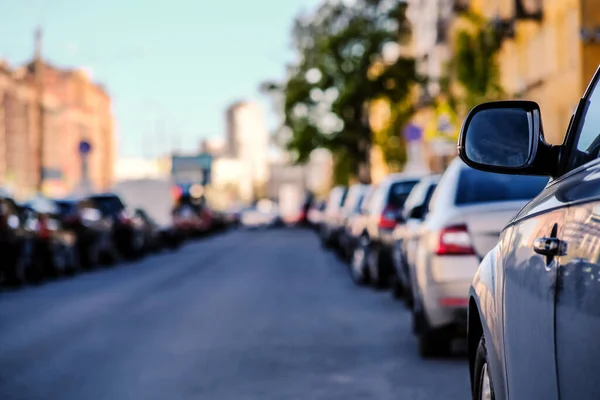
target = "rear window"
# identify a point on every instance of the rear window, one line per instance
(66, 207)
(108, 205)
(399, 192)
(485, 187)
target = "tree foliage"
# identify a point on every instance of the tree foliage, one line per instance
(475, 62)
(341, 68)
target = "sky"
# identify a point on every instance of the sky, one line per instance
(171, 66)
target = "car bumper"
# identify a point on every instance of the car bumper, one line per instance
(445, 296)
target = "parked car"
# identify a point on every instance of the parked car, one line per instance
(127, 231)
(533, 314)
(264, 215)
(315, 214)
(351, 210)
(406, 235)
(372, 258)
(15, 243)
(54, 243)
(152, 231)
(332, 218)
(93, 230)
(468, 211)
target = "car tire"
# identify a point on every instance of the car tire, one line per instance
(358, 263)
(378, 280)
(434, 343)
(483, 387)
(397, 289)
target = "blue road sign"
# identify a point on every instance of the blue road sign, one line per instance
(84, 147)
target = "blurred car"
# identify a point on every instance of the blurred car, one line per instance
(263, 215)
(15, 244)
(315, 213)
(170, 237)
(372, 257)
(152, 231)
(468, 211)
(350, 211)
(54, 243)
(534, 310)
(332, 218)
(127, 232)
(93, 230)
(406, 235)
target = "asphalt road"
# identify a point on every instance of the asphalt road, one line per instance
(244, 315)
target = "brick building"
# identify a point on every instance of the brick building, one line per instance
(75, 109)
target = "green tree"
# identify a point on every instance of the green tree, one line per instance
(342, 66)
(475, 62)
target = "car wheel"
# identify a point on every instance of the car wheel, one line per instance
(374, 267)
(434, 343)
(408, 298)
(396, 286)
(483, 387)
(358, 264)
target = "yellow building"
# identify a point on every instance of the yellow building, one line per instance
(551, 55)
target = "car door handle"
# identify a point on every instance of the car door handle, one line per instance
(549, 246)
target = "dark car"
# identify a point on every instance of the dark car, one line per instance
(376, 240)
(534, 306)
(127, 232)
(331, 224)
(15, 243)
(351, 210)
(152, 231)
(54, 243)
(93, 230)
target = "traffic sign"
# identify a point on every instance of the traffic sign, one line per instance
(84, 147)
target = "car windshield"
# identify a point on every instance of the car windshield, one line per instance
(476, 186)
(108, 205)
(399, 192)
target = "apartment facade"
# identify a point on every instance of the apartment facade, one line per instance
(74, 110)
(248, 141)
(550, 54)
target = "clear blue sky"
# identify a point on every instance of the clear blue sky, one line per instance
(179, 61)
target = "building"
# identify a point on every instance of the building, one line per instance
(549, 53)
(74, 110)
(248, 140)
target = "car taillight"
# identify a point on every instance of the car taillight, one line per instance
(124, 218)
(43, 229)
(455, 240)
(71, 219)
(388, 218)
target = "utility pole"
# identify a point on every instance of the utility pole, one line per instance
(39, 89)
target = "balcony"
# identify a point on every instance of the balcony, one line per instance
(529, 10)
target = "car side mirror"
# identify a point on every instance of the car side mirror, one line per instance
(506, 137)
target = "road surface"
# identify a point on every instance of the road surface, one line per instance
(243, 315)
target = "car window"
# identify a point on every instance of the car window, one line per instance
(108, 205)
(588, 142)
(416, 197)
(399, 192)
(476, 186)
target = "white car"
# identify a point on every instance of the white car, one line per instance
(264, 215)
(406, 235)
(467, 213)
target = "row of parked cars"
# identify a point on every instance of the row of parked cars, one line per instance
(48, 237)
(504, 247)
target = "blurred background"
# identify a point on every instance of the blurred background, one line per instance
(127, 128)
(325, 93)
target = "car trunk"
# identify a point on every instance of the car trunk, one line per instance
(486, 221)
